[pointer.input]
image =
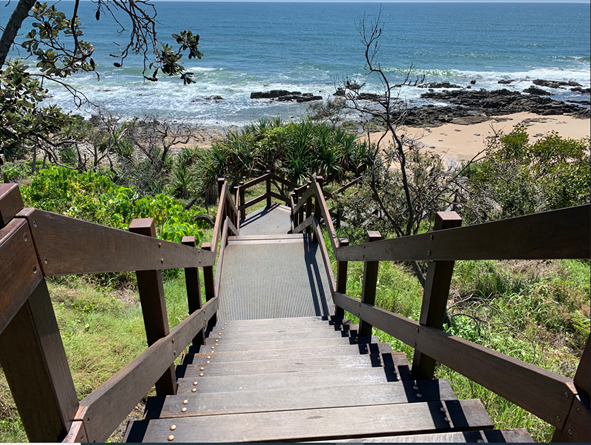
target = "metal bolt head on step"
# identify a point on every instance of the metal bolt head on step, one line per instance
(185, 402)
(419, 395)
(170, 438)
(194, 383)
(172, 427)
(194, 390)
(200, 374)
(183, 410)
(208, 357)
(201, 369)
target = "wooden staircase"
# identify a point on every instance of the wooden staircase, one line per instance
(307, 379)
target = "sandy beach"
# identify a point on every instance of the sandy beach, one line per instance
(456, 142)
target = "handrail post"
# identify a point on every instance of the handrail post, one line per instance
(220, 186)
(317, 211)
(153, 304)
(309, 208)
(435, 295)
(242, 201)
(193, 290)
(342, 267)
(34, 361)
(269, 203)
(209, 283)
(292, 202)
(370, 281)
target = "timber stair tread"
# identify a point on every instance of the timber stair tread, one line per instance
(305, 379)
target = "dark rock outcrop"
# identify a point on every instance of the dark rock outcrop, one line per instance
(537, 91)
(439, 85)
(285, 96)
(581, 90)
(555, 84)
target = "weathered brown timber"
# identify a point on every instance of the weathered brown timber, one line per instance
(556, 234)
(255, 181)
(517, 435)
(306, 398)
(193, 289)
(281, 365)
(253, 202)
(103, 409)
(11, 202)
(283, 181)
(279, 197)
(577, 427)
(218, 276)
(291, 334)
(268, 184)
(334, 240)
(286, 344)
(69, 246)
(209, 282)
(325, 257)
(307, 223)
(370, 281)
(373, 349)
(242, 205)
(583, 376)
(77, 433)
(218, 222)
(305, 379)
(34, 361)
(523, 384)
(20, 273)
(304, 198)
(342, 267)
(435, 296)
(323, 423)
(151, 291)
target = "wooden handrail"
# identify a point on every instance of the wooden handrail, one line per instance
(557, 234)
(103, 409)
(525, 385)
(69, 246)
(228, 226)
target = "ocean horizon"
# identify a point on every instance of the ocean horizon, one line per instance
(310, 47)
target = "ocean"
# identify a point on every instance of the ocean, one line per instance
(311, 47)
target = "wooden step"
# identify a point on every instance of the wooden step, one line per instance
(317, 424)
(298, 398)
(272, 323)
(517, 435)
(269, 329)
(282, 365)
(294, 353)
(312, 379)
(287, 344)
(293, 334)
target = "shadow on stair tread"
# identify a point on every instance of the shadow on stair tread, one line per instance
(320, 424)
(298, 398)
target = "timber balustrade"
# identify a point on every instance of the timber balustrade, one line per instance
(270, 179)
(557, 234)
(35, 244)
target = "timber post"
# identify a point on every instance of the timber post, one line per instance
(268, 181)
(342, 267)
(435, 295)
(193, 290)
(242, 201)
(209, 283)
(370, 281)
(153, 304)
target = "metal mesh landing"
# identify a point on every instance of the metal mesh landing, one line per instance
(273, 280)
(272, 220)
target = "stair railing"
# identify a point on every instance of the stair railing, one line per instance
(35, 244)
(269, 194)
(558, 234)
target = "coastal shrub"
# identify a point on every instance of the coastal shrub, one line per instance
(295, 150)
(519, 177)
(92, 196)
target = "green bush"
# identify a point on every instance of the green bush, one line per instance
(518, 177)
(92, 196)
